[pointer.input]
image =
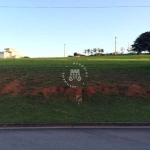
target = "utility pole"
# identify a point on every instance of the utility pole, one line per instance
(64, 50)
(115, 45)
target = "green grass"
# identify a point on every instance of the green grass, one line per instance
(58, 109)
(103, 70)
(123, 69)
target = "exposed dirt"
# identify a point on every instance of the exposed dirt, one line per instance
(90, 90)
(13, 87)
(19, 86)
(134, 90)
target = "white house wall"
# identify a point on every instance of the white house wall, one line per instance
(2, 55)
(7, 55)
(10, 53)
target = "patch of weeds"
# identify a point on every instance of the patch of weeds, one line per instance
(97, 83)
(113, 93)
(41, 94)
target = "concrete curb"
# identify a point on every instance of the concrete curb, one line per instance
(98, 124)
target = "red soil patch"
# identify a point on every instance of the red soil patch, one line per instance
(71, 92)
(79, 91)
(36, 91)
(13, 87)
(121, 89)
(49, 91)
(19, 86)
(132, 90)
(61, 90)
(135, 90)
(106, 90)
(99, 88)
(90, 91)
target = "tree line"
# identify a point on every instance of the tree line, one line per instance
(142, 43)
(93, 51)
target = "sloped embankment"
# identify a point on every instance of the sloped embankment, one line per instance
(19, 86)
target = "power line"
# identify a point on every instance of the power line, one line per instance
(53, 7)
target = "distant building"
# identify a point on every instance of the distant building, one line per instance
(78, 54)
(10, 53)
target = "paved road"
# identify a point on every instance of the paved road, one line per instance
(75, 139)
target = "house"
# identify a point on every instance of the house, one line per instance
(10, 53)
(78, 54)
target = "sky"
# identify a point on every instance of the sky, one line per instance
(42, 32)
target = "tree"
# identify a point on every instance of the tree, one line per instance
(100, 50)
(75, 54)
(88, 50)
(95, 50)
(142, 43)
(85, 51)
(130, 49)
(91, 52)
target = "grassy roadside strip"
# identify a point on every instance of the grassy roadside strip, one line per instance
(59, 109)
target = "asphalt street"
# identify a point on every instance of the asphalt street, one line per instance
(75, 139)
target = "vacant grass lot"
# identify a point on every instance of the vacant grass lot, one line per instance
(103, 70)
(108, 70)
